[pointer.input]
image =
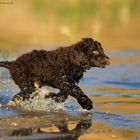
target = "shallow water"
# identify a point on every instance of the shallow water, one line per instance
(114, 90)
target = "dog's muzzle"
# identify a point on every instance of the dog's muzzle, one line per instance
(107, 60)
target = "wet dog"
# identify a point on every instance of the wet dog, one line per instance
(61, 68)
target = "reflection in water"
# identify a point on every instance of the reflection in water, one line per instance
(63, 134)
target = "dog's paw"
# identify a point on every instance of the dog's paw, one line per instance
(56, 97)
(85, 102)
(17, 100)
(59, 99)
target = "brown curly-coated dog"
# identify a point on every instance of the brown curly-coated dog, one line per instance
(61, 68)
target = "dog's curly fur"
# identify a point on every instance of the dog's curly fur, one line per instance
(61, 68)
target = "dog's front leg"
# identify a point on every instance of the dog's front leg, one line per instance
(82, 99)
(67, 88)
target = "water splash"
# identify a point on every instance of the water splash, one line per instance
(38, 102)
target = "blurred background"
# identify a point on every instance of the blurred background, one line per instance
(30, 24)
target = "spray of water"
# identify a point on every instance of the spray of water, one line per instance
(38, 102)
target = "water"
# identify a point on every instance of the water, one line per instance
(115, 92)
(37, 102)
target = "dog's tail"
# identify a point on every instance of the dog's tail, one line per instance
(5, 64)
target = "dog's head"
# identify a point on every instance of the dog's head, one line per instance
(92, 53)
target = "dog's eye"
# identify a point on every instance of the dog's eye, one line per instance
(96, 52)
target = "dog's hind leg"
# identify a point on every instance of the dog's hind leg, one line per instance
(26, 89)
(26, 85)
(23, 94)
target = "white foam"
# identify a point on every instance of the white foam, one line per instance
(38, 102)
